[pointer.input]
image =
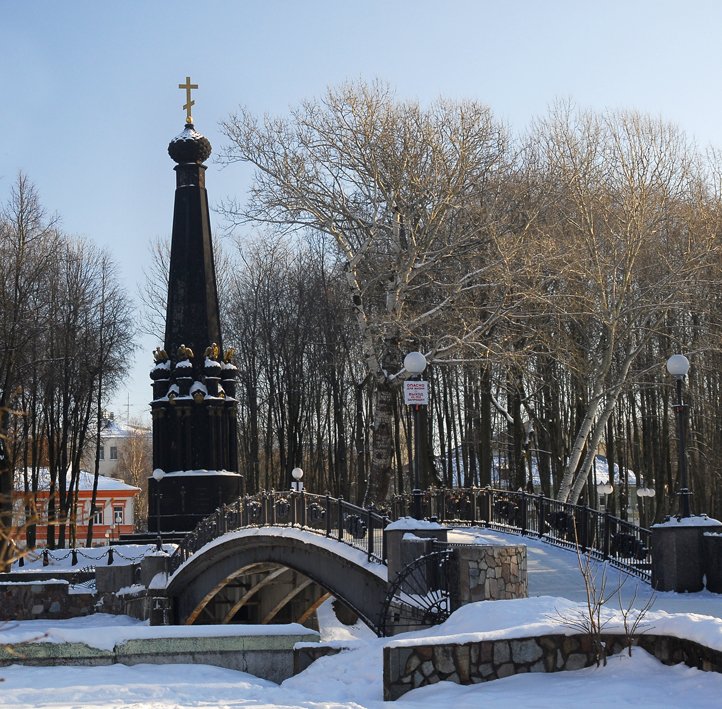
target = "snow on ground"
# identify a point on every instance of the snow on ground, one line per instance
(353, 678)
(104, 631)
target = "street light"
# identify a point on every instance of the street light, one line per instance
(416, 396)
(297, 484)
(678, 366)
(643, 492)
(605, 488)
(158, 475)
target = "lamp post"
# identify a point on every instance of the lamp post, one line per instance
(416, 394)
(678, 366)
(158, 475)
(644, 492)
(297, 484)
(604, 488)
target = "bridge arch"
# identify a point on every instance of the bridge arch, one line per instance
(342, 571)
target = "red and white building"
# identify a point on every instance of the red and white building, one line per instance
(113, 514)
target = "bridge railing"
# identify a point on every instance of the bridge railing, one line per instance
(332, 517)
(597, 533)
(572, 526)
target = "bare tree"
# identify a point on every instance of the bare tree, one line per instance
(135, 460)
(622, 252)
(27, 248)
(153, 291)
(409, 197)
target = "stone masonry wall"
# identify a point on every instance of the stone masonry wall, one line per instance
(35, 601)
(406, 668)
(489, 572)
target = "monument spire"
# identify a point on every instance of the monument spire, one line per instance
(195, 439)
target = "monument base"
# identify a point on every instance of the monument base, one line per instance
(188, 497)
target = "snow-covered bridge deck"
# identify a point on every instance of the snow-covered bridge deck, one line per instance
(554, 571)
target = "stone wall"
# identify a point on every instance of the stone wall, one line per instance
(119, 590)
(488, 572)
(49, 599)
(268, 656)
(409, 667)
(306, 654)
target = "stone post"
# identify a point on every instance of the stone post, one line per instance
(678, 557)
(419, 541)
(484, 572)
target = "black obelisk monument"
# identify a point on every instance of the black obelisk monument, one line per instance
(195, 439)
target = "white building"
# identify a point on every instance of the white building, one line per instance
(114, 436)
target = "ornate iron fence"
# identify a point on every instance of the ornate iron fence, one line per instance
(332, 517)
(572, 526)
(599, 534)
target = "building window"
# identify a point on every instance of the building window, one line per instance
(98, 515)
(101, 453)
(113, 453)
(117, 514)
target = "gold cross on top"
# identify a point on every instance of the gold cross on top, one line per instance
(188, 86)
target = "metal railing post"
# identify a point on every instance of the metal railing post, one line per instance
(384, 553)
(328, 515)
(607, 535)
(541, 520)
(585, 528)
(370, 528)
(340, 519)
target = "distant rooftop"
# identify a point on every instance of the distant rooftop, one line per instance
(112, 428)
(85, 481)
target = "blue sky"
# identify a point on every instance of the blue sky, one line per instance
(89, 97)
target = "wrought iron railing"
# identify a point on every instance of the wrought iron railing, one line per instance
(332, 517)
(597, 533)
(572, 526)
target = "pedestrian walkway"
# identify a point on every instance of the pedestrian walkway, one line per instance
(554, 571)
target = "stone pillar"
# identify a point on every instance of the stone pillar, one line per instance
(484, 572)
(678, 558)
(152, 565)
(157, 601)
(419, 541)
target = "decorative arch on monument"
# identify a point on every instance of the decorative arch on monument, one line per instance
(202, 580)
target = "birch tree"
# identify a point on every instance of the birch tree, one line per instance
(407, 194)
(625, 259)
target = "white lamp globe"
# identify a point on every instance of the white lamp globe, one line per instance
(414, 363)
(158, 474)
(297, 473)
(678, 366)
